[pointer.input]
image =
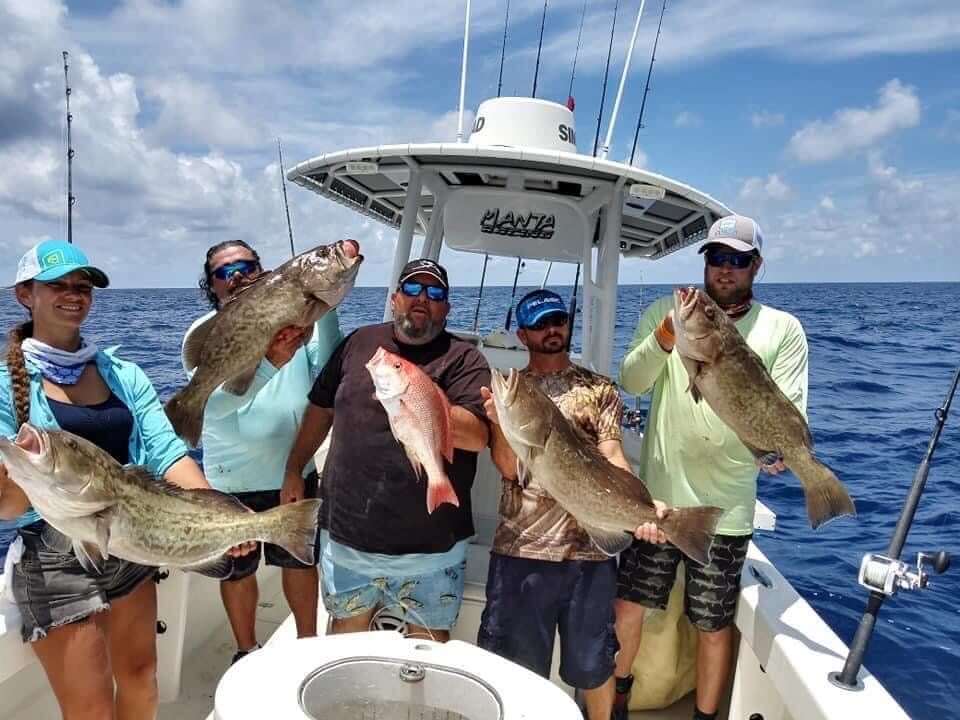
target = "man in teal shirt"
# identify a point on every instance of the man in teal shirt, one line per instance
(691, 457)
(246, 440)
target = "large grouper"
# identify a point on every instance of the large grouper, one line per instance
(607, 502)
(109, 509)
(731, 377)
(228, 348)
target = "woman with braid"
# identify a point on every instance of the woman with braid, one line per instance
(88, 630)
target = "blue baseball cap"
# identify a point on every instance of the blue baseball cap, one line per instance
(52, 259)
(536, 305)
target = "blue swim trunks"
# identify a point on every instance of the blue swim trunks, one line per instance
(423, 589)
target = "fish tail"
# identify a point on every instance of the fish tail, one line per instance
(185, 416)
(440, 490)
(691, 529)
(294, 528)
(826, 496)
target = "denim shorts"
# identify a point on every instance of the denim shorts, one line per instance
(647, 573)
(528, 601)
(260, 500)
(431, 599)
(52, 588)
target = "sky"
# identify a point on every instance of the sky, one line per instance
(836, 126)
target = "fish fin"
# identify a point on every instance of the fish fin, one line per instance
(239, 384)
(184, 416)
(693, 368)
(691, 529)
(446, 426)
(439, 491)
(90, 556)
(218, 568)
(610, 542)
(293, 527)
(825, 494)
(193, 344)
(523, 474)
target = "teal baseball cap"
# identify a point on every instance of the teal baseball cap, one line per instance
(52, 259)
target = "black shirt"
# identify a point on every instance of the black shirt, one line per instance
(107, 425)
(372, 499)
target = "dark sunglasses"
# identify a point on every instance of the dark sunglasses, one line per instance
(244, 267)
(413, 289)
(554, 319)
(740, 261)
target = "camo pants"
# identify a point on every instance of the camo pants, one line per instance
(647, 573)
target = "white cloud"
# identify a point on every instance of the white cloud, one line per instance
(686, 118)
(771, 187)
(826, 203)
(765, 119)
(853, 129)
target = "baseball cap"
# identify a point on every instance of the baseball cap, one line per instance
(538, 304)
(735, 231)
(424, 266)
(52, 259)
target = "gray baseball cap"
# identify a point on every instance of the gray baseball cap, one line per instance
(738, 232)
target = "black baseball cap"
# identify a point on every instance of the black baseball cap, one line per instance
(424, 266)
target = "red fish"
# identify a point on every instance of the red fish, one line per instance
(419, 414)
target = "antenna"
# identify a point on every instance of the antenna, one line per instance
(70, 198)
(623, 82)
(463, 71)
(606, 74)
(536, 70)
(646, 89)
(503, 48)
(286, 205)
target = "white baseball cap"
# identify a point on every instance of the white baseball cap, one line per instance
(738, 232)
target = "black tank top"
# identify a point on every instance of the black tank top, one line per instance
(107, 425)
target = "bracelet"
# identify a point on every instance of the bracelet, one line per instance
(664, 336)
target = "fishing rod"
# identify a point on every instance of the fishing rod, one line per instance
(513, 295)
(486, 256)
(884, 575)
(576, 54)
(623, 82)
(536, 70)
(606, 75)
(286, 205)
(70, 197)
(646, 89)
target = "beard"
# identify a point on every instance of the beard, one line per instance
(416, 331)
(550, 345)
(729, 295)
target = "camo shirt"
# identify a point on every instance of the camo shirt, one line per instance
(532, 524)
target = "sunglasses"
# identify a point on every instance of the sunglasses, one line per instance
(244, 267)
(554, 319)
(434, 292)
(740, 261)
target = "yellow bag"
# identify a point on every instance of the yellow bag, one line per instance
(666, 666)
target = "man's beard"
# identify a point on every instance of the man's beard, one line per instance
(544, 349)
(415, 334)
(729, 297)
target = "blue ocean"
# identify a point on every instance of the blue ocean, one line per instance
(881, 360)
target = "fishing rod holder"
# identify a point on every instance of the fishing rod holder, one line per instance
(885, 575)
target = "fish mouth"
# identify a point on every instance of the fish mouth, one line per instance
(347, 253)
(505, 387)
(685, 301)
(31, 440)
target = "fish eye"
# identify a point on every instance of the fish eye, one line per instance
(396, 366)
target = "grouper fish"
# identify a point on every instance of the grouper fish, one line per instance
(107, 508)
(608, 502)
(730, 376)
(228, 348)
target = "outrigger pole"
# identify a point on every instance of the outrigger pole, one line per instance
(70, 198)
(286, 205)
(884, 575)
(623, 81)
(463, 71)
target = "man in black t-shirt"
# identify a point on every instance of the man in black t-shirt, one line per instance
(382, 550)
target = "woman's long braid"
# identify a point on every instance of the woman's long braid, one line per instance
(17, 367)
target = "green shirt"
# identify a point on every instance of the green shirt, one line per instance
(689, 455)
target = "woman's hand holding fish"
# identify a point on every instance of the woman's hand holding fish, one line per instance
(13, 501)
(285, 345)
(650, 532)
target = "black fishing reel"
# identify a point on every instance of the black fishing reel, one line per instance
(886, 575)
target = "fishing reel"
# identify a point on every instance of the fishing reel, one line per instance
(885, 575)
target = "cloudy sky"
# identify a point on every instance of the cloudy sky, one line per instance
(838, 128)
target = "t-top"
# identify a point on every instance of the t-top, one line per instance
(373, 500)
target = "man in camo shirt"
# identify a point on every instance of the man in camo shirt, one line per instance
(545, 572)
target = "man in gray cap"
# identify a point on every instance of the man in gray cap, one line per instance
(690, 457)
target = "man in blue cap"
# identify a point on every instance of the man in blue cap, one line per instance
(539, 545)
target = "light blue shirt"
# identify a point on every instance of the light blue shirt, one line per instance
(247, 438)
(152, 443)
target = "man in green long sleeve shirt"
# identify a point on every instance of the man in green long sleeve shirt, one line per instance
(691, 457)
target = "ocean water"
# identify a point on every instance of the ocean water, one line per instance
(881, 359)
